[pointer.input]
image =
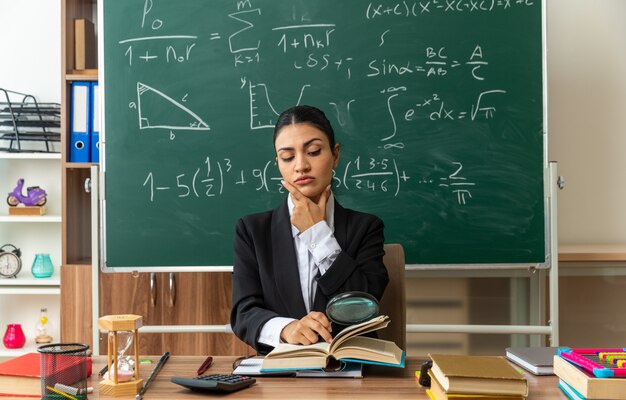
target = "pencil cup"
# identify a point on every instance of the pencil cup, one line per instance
(64, 366)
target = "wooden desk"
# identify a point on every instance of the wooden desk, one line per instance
(592, 252)
(384, 383)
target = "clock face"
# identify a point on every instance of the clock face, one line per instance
(9, 264)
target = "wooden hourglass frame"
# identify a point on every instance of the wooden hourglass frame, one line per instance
(113, 324)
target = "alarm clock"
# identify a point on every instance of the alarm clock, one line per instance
(10, 261)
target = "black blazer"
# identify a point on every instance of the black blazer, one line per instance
(266, 283)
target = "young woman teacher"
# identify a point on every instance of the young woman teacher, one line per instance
(290, 261)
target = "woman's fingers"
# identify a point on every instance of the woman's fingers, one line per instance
(310, 335)
(299, 333)
(318, 323)
(295, 193)
(321, 318)
(308, 329)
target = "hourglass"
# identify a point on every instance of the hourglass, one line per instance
(123, 377)
(123, 363)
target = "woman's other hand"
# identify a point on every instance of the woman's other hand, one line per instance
(307, 330)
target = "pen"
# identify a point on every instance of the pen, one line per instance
(53, 390)
(71, 390)
(205, 365)
(154, 373)
(103, 371)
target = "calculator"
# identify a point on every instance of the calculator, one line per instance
(215, 382)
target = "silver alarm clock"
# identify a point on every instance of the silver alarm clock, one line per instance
(10, 261)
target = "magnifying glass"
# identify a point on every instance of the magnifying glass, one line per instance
(351, 308)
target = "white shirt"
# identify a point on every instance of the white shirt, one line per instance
(316, 250)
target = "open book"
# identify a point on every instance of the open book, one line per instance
(348, 346)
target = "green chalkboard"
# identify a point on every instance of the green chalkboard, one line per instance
(438, 107)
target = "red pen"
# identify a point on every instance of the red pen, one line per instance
(205, 365)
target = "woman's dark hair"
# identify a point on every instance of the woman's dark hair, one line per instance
(306, 115)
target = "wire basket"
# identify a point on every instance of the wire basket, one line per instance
(63, 367)
(27, 125)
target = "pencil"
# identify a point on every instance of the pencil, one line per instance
(154, 373)
(53, 390)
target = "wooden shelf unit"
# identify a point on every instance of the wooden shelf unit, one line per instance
(30, 218)
(76, 325)
(30, 156)
(81, 77)
(76, 202)
(25, 284)
(29, 347)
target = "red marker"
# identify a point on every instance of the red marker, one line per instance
(205, 365)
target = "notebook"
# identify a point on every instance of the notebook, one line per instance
(538, 360)
(252, 367)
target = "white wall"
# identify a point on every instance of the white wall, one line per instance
(30, 59)
(30, 62)
(587, 117)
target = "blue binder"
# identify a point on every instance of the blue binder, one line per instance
(95, 123)
(80, 120)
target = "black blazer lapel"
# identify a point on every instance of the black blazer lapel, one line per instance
(341, 225)
(285, 263)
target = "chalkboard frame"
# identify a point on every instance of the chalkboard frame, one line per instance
(221, 268)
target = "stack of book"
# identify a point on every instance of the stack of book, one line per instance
(475, 378)
(579, 384)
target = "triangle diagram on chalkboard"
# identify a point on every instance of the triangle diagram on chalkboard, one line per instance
(158, 110)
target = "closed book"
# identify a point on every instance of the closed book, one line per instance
(537, 360)
(478, 375)
(438, 393)
(588, 385)
(348, 346)
(570, 391)
(84, 45)
(21, 376)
